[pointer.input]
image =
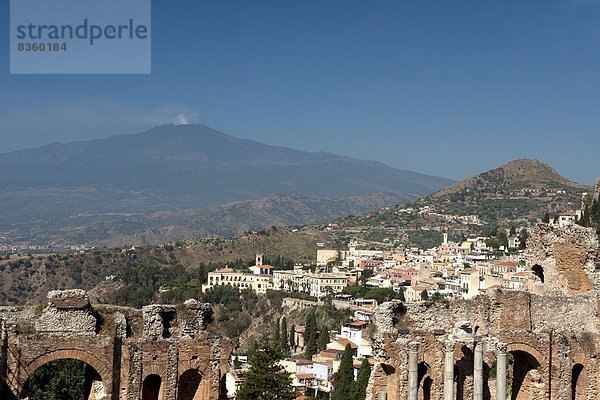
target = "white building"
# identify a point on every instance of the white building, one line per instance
(316, 285)
(514, 241)
(567, 219)
(260, 283)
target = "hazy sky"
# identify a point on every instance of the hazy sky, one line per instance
(444, 87)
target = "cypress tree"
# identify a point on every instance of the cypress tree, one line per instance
(310, 335)
(344, 379)
(523, 236)
(277, 337)
(546, 218)
(323, 339)
(359, 389)
(585, 217)
(595, 212)
(293, 338)
(502, 238)
(265, 379)
(283, 344)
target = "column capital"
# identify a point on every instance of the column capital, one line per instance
(501, 347)
(479, 346)
(413, 346)
(449, 345)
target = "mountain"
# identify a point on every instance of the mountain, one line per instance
(516, 194)
(226, 220)
(174, 168)
(517, 175)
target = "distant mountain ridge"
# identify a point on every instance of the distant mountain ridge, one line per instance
(174, 168)
(235, 219)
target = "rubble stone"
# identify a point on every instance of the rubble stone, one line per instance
(123, 345)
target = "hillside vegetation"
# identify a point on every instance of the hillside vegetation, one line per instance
(134, 277)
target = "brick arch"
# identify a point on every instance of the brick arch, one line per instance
(100, 367)
(200, 365)
(153, 369)
(190, 384)
(524, 347)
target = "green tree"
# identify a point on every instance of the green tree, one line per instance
(595, 212)
(585, 217)
(437, 296)
(344, 379)
(523, 236)
(502, 238)
(277, 335)
(424, 295)
(293, 338)
(310, 335)
(546, 218)
(359, 388)
(265, 378)
(384, 294)
(323, 338)
(57, 380)
(283, 342)
(236, 362)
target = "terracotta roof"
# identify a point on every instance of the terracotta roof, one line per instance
(345, 342)
(328, 363)
(330, 352)
(507, 264)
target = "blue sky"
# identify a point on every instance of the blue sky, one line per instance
(448, 88)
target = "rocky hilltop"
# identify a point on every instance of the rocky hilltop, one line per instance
(518, 176)
(516, 194)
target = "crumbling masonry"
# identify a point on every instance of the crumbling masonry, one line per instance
(536, 345)
(157, 353)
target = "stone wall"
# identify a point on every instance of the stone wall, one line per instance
(567, 256)
(123, 345)
(552, 338)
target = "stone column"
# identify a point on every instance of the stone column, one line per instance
(413, 370)
(449, 371)
(172, 370)
(134, 385)
(478, 370)
(501, 371)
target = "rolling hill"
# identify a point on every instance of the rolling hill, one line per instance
(516, 194)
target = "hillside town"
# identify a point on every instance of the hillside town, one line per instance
(452, 270)
(461, 269)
